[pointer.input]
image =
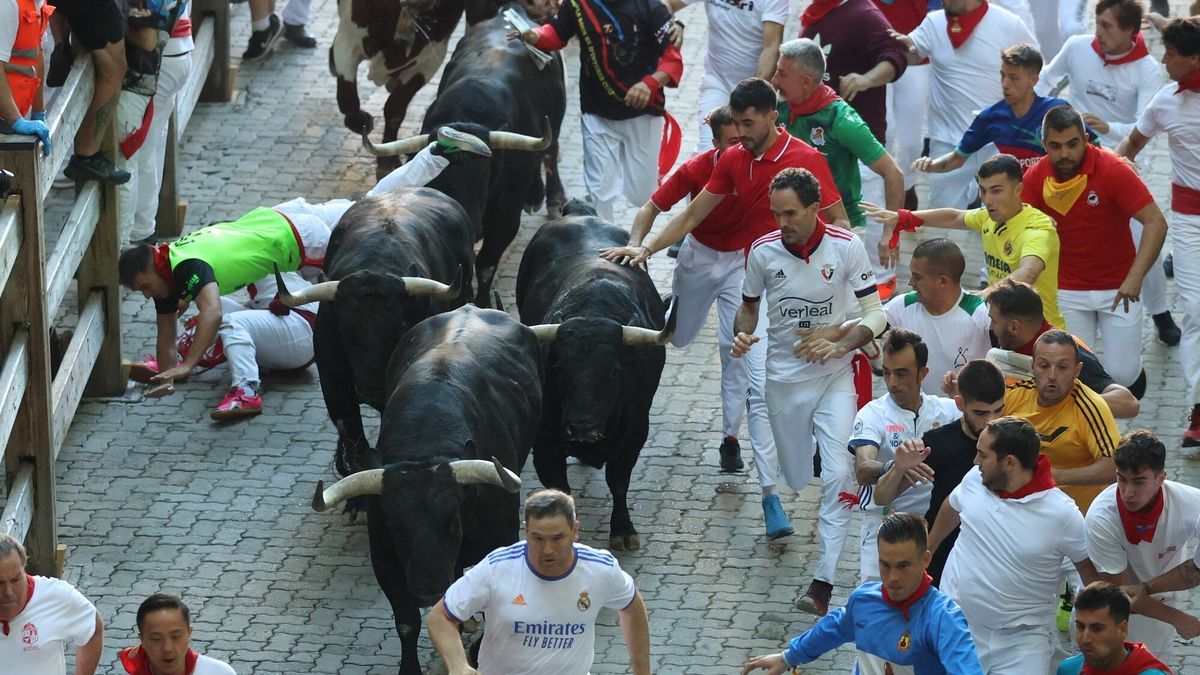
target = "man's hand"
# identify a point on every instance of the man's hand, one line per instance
(923, 164)
(1098, 125)
(1137, 595)
(910, 458)
(626, 255)
(33, 128)
(815, 349)
(178, 372)
(530, 36)
(638, 96)
(880, 214)
(1130, 291)
(164, 389)
(1188, 627)
(888, 257)
(852, 85)
(773, 664)
(675, 33)
(742, 342)
(950, 384)
(903, 39)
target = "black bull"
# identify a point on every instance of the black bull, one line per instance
(604, 326)
(386, 261)
(464, 390)
(492, 89)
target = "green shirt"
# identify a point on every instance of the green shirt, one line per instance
(845, 139)
(240, 252)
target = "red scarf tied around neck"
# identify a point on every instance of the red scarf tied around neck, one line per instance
(905, 604)
(1140, 526)
(817, 11)
(1139, 50)
(1043, 479)
(960, 27)
(137, 662)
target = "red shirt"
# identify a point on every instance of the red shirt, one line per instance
(718, 231)
(1095, 244)
(745, 180)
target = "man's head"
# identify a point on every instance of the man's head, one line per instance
(724, 131)
(905, 356)
(1019, 69)
(1102, 625)
(1117, 21)
(795, 200)
(135, 269)
(1141, 461)
(1181, 38)
(980, 395)
(1065, 140)
(13, 582)
(752, 104)
(903, 554)
(1056, 366)
(165, 628)
(999, 180)
(1015, 312)
(800, 71)
(550, 531)
(935, 272)
(1008, 447)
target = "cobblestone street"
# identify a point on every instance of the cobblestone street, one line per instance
(153, 495)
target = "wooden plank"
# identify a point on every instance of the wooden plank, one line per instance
(64, 116)
(203, 60)
(18, 510)
(14, 378)
(76, 366)
(167, 223)
(68, 252)
(10, 236)
(219, 82)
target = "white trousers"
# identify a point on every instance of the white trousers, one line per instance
(872, 191)
(146, 165)
(1185, 242)
(1090, 316)
(255, 338)
(297, 12)
(1154, 284)
(868, 536)
(714, 92)
(620, 158)
(131, 110)
(1017, 650)
(907, 107)
(823, 408)
(955, 189)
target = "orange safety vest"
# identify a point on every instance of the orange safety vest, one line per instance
(21, 69)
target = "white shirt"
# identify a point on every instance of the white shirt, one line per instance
(1116, 94)
(804, 295)
(1111, 552)
(884, 424)
(1004, 569)
(56, 615)
(735, 33)
(210, 666)
(1179, 116)
(539, 624)
(965, 80)
(958, 336)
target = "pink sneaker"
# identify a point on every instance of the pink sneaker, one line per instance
(237, 405)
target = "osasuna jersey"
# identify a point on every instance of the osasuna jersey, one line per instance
(57, 616)
(955, 337)
(884, 424)
(806, 294)
(539, 624)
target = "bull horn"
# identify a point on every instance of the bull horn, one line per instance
(483, 472)
(403, 146)
(506, 140)
(634, 336)
(369, 482)
(545, 332)
(316, 293)
(436, 289)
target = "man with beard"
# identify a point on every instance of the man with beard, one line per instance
(1101, 631)
(1092, 194)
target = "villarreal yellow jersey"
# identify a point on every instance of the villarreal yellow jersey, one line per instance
(1029, 233)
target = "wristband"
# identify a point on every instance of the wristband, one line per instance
(649, 81)
(887, 466)
(906, 221)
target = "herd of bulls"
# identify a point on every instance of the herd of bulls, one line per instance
(465, 392)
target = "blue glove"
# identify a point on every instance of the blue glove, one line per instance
(34, 128)
(39, 116)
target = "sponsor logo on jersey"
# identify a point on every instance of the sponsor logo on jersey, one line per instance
(1008, 248)
(1093, 199)
(29, 634)
(894, 427)
(817, 136)
(998, 264)
(905, 642)
(780, 275)
(1169, 551)
(827, 272)
(519, 600)
(583, 603)
(805, 310)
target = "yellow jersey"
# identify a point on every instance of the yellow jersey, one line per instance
(1029, 233)
(1075, 433)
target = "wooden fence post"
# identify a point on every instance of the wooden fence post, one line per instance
(219, 84)
(98, 270)
(168, 223)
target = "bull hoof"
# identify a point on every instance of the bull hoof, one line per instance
(624, 542)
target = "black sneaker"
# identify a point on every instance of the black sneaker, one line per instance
(731, 455)
(97, 167)
(263, 41)
(816, 599)
(294, 33)
(1168, 333)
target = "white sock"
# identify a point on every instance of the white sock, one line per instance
(262, 24)
(768, 490)
(248, 388)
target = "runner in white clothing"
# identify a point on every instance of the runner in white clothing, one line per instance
(1136, 530)
(164, 627)
(40, 616)
(541, 597)
(1016, 529)
(809, 272)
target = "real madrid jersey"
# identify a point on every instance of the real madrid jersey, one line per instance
(539, 624)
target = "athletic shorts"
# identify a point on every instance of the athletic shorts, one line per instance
(94, 23)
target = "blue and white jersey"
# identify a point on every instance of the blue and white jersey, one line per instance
(539, 624)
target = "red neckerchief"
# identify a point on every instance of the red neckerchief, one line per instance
(904, 604)
(960, 27)
(137, 662)
(811, 245)
(1139, 50)
(1043, 479)
(28, 597)
(1192, 83)
(1027, 348)
(162, 265)
(819, 100)
(1139, 660)
(817, 11)
(1140, 525)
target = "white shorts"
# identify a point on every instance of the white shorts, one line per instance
(1089, 315)
(620, 158)
(1018, 650)
(1184, 235)
(907, 105)
(868, 535)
